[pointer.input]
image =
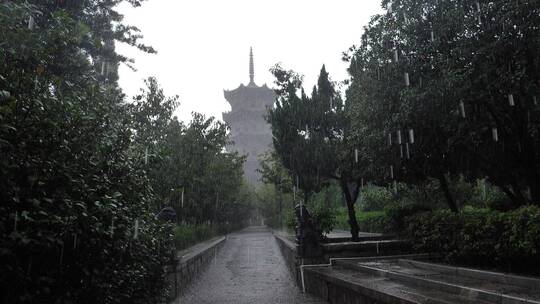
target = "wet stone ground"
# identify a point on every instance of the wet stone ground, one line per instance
(249, 268)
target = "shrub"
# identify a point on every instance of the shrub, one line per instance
(289, 219)
(506, 240)
(374, 221)
(189, 235)
(374, 198)
(371, 221)
(324, 217)
(396, 216)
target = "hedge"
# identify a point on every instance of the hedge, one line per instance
(508, 241)
(189, 235)
(368, 221)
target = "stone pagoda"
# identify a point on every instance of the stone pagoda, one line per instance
(250, 132)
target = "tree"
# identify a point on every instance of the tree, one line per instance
(196, 176)
(152, 119)
(439, 71)
(321, 151)
(77, 223)
(273, 174)
(291, 137)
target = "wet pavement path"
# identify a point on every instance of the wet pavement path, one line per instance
(249, 268)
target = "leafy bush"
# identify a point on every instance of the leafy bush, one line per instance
(374, 198)
(486, 195)
(375, 221)
(397, 216)
(289, 219)
(480, 237)
(324, 217)
(189, 235)
(372, 221)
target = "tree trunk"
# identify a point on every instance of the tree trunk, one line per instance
(516, 202)
(327, 199)
(519, 199)
(535, 193)
(447, 194)
(350, 199)
(306, 199)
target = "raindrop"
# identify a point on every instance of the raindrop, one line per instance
(407, 83)
(495, 134)
(411, 136)
(111, 232)
(356, 155)
(511, 100)
(462, 109)
(136, 229)
(15, 221)
(399, 137)
(108, 70)
(407, 152)
(392, 172)
(528, 193)
(182, 199)
(31, 22)
(146, 156)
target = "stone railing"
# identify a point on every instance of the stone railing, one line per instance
(191, 262)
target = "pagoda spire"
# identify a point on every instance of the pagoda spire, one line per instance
(251, 68)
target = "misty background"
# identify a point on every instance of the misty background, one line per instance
(203, 46)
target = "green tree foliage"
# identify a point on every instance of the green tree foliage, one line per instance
(311, 136)
(210, 179)
(82, 171)
(76, 224)
(276, 191)
(460, 77)
(291, 137)
(188, 166)
(508, 241)
(273, 172)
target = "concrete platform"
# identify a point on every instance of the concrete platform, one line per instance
(403, 280)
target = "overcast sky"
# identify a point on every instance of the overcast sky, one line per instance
(203, 45)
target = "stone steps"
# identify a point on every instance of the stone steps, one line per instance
(489, 286)
(338, 284)
(372, 280)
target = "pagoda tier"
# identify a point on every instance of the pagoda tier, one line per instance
(251, 121)
(250, 97)
(250, 133)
